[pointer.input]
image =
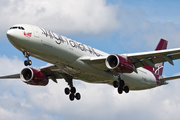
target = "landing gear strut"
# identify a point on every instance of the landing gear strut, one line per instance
(72, 90)
(120, 85)
(27, 62)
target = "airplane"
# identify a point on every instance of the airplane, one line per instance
(73, 60)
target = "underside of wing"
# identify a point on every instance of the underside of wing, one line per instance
(52, 71)
(97, 62)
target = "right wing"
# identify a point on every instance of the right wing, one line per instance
(149, 58)
(138, 59)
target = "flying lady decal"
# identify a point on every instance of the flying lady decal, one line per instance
(158, 68)
(27, 34)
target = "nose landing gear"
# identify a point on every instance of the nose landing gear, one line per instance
(27, 55)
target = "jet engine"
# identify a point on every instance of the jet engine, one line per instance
(119, 64)
(33, 77)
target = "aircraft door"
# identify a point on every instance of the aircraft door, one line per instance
(35, 31)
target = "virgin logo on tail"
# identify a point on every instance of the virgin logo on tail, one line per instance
(27, 34)
(158, 68)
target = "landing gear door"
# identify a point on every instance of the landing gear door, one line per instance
(35, 31)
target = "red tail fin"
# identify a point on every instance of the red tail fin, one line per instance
(159, 66)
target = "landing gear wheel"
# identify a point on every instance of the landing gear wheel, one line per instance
(78, 96)
(26, 63)
(120, 90)
(67, 91)
(71, 97)
(29, 62)
(126, 89)
(121, 83)
(73, 90)
(115, 84)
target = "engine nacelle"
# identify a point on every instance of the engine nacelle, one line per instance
(33, 77)
(119, 64)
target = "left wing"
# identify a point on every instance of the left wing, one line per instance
(53, 72)
(11, 76)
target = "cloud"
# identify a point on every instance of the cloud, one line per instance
(138, 29)
(11, 64)
(15, 97)
(87, 17)
(132, 25)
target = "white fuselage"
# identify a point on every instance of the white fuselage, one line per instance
(65, 53)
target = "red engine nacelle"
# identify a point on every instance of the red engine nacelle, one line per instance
(33, 77)
(119, 64)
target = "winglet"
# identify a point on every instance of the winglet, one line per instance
(162, 44)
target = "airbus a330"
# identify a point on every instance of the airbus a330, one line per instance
(74, 60)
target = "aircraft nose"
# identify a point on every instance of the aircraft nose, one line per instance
(10, 34)
(13, 36)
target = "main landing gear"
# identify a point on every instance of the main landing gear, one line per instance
(27, 55)
(72, 90)
(120, 85)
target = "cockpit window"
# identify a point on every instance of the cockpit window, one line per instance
(17, 27)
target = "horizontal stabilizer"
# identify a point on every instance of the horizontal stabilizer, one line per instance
(170, 78)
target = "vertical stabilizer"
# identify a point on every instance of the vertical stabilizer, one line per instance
(159, 66)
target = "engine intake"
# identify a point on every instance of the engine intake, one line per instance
(119, 64)
(33, 77)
